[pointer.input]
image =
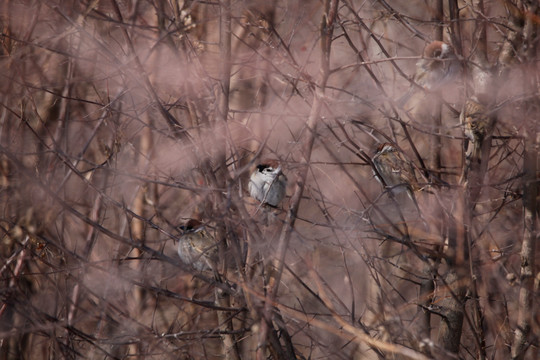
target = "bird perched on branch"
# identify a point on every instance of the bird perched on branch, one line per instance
(197, 247)
(267, 183)
(438, 66)
(393, 170)
(396, 173)
(476, 125)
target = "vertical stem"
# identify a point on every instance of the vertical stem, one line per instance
(453, 305)
(528, 246)
(530, 191)
(478, 317)
(439, 14)
(482, 49)
(137, 228)
(427, 285)
(453, 309)
(225, 69)
(436, 145)
(455, 27)
(223, 300)
(480, 33)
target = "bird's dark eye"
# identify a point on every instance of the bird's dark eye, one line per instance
(265, 168)
(437, 53)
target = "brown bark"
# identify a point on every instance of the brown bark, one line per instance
(530, 231)
(528, 245)
(530, 189)
(453, 304)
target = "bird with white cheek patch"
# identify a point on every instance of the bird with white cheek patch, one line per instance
(267, 183)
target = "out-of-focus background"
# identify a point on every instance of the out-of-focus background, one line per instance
(121, 119)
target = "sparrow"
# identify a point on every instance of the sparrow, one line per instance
(267, 183)
(476, 124)
(439, 66)
(394, 171)
(197, 247)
